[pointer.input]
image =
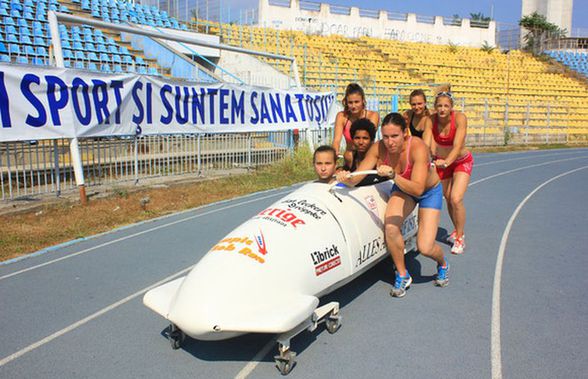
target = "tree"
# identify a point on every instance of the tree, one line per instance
(539, 28)
(479, 19)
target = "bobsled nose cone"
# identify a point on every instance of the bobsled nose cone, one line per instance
(216, 314)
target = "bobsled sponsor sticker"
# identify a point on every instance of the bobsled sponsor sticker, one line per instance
(370, 250)
(325, 260)
(281, 216)
(243, 246)
(371, 203)
(306, 207)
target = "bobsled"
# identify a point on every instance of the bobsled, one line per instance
(267, 275)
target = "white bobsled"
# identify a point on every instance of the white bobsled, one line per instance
(266, 276)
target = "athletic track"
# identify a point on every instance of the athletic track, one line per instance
(516, 306)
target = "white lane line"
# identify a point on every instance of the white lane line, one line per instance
(83, 321)
(527, 157)
(137, 234)
(251, 365)
(523, 168)
(496, 355)
(248, 369)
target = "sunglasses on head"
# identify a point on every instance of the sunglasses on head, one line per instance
(445, 93)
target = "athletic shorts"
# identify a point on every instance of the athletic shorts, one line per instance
(431, 198)
(463, 164)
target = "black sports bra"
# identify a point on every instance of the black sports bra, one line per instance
(413, 130)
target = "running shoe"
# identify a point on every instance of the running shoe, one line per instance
(459, 245)
(451, 237)
(442, 278)
(401, 285)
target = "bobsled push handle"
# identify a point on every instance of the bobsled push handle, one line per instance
(351, 174)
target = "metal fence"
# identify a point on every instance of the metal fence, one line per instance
(38, 167)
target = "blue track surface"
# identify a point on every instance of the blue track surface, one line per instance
(72, 316)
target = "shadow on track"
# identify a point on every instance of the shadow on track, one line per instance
(245, 347)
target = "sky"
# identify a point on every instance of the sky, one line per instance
(507, 11)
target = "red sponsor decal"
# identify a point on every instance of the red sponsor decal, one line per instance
(281, 216)
(328, 265)
(261, 246)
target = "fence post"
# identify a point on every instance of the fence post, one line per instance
(249, 147)
(74, 147)
(548, 121)
(485, 120)
(199, 156)
(56, 164)
(506, 131)
(527, 121)
(136, 160)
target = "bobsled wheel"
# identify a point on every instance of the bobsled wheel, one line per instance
(333, 323)
(175, 337)
(285, 363)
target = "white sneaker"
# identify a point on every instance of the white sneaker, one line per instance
(458, 245)
(451, 237)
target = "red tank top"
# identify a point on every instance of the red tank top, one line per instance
(406, 174)
(446, 141)
(347, 129)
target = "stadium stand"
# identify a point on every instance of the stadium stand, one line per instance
(576, 60)
(498, 90)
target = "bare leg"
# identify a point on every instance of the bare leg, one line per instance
(447, 185)
(428, 224)
(458, 189)
(399, 206)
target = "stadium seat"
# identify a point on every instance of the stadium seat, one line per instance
(4, 58)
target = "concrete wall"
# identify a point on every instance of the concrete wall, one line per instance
(327, 20)
(251, 70)
(558, 12)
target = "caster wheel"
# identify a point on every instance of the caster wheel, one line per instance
(176, 337)
(285, 363)
(333, 324)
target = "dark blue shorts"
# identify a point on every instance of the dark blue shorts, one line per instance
(431, 198)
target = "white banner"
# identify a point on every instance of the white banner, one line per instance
(45, 103)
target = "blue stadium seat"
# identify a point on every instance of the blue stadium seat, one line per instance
(90, 47)
(65, 44)
(104, 57)
(29, 50)
(38, 61)
(40, 41)
(11, 38)
(141, 70)
(22, 60)
(13, 48)
(92, 56)
(78, 46)
(3, 12)
(4, 58)
(116, 59)
(25, 40)
(9, 21)
(67, 54)
(112, 49)
(127, 59)
(101, 48)
(79, 65)
(3, 48)
(153, 71)
(80, 55)
(92, 66)
(105, 67)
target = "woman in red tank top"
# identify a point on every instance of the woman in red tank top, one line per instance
(354, 108)
(453, 160)
(405, 159)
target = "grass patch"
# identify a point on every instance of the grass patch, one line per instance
(49, 225)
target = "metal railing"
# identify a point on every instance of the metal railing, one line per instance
(29, 168)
